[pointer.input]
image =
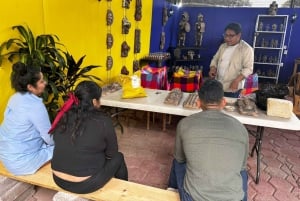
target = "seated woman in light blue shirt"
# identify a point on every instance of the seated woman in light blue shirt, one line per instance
(25, 144)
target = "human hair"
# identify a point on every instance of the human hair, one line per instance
(23, 75)
(236, 27)
(211, 92)
(72, 121)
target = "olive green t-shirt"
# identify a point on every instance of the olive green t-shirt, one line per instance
(215, 148)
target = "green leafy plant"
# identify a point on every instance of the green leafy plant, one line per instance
(60, 69)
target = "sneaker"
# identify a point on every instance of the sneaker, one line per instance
(172, 189)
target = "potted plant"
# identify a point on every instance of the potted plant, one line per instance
(60, 69)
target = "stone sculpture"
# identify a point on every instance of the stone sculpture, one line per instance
(184, 27)
(109, 63)
(273, 8)
(200, 29)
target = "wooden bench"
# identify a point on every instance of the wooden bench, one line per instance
(114, 190)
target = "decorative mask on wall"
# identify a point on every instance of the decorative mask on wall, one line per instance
(126, 4)
(109, 17)
(125, 25)
(138, 10)
(124, 49)
(137, 41)
(109, 40)
(124, 71)
(109, 63)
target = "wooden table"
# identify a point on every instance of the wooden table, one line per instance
(154, 102)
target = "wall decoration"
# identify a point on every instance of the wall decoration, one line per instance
(125, 25)
(109, 63)
(136, 65)
(137, 41)
(109, 40)
(109, 17)
(124, 71)
(124, 49)
(165, 16)
(126, 4)
(162, 40)
(138, 10)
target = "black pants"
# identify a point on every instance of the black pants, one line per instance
(114, 167)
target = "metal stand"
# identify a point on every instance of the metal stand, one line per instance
(258, 134)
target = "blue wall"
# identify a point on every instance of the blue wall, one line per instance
(216, 19)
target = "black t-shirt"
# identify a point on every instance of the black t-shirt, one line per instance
(88, 153)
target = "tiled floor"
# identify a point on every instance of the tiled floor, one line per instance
(148, 155)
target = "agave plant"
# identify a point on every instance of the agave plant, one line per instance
(59, 68)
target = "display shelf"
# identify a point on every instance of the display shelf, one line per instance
(268, 44)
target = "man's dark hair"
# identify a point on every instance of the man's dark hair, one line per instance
(211, 92)
(236, 27)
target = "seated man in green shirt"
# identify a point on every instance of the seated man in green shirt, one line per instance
(211, 151)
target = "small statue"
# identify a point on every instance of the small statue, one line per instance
(109, 17)
(126, 4)
(260, 26)
(281, 28)
(109, 63)
(109, 40)
(247, 106)
(274, 27)
(124, 49)
(137, 41)
(273, 8)
(125, 25)
(184, 27)
(200, 29)
(138, 10)
(265, 59)
(267, 27)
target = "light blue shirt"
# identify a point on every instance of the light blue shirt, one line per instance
(25, 144)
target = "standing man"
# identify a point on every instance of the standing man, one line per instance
(233, 61)
(211, 151)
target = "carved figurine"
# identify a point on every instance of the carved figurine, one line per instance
(273, 8)
(267, 27)
(191, 101)
(265, 59)
(126, 4)
(184, 27)
(162, 40)
(138, 10)
(109, 63)
(135, 65)
(124, 71)
(281, 28)
(137, 41)
(274, 27)
(200, 29)
(109, 40)
(109, 17)
(247, 106)
(125, 25)
(124, 49)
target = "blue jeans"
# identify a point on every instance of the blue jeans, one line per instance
(177, 176)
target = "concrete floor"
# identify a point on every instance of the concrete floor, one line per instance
(148, 155)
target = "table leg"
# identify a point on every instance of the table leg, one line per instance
(164, 121)
(148, 120)
(257, 147)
